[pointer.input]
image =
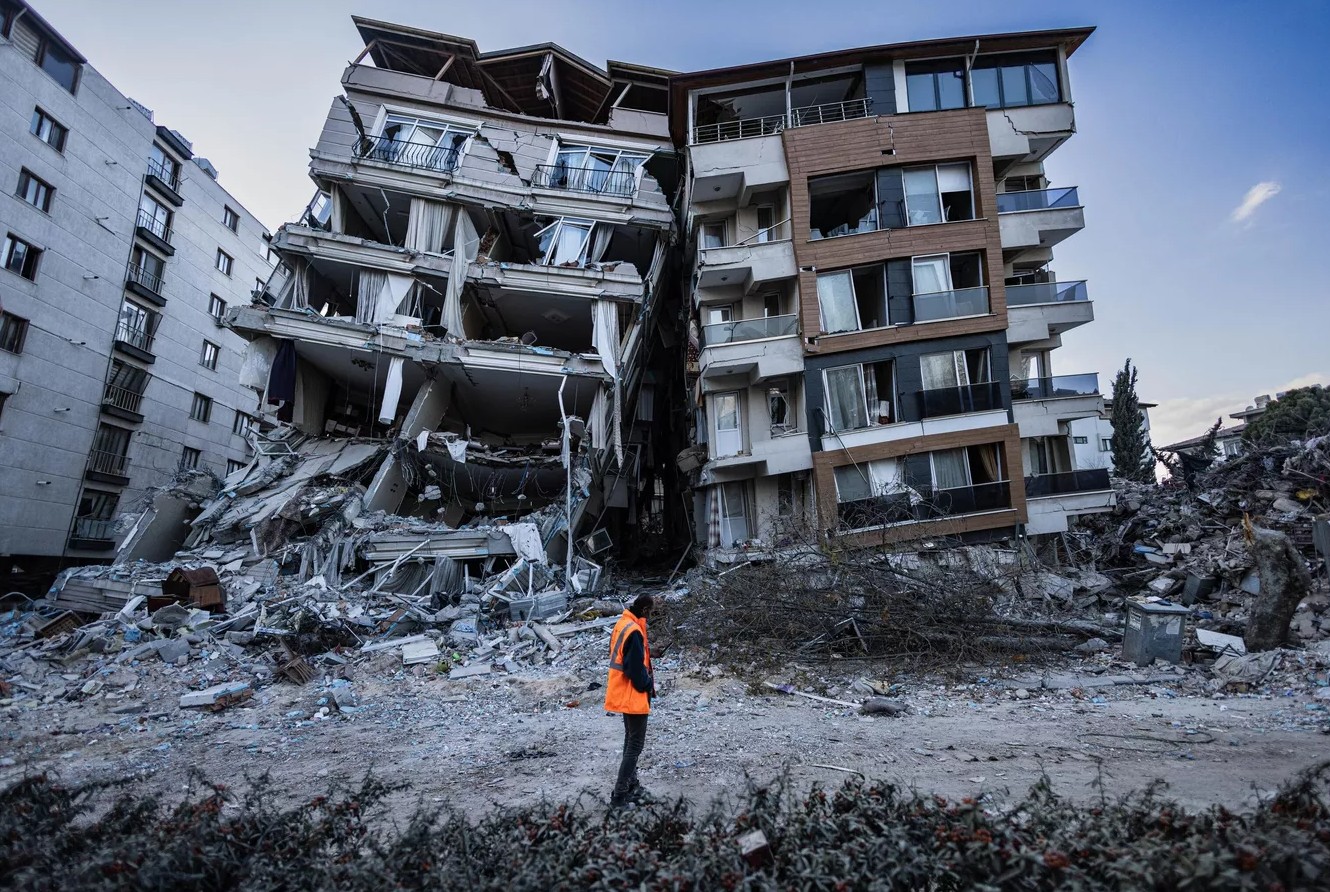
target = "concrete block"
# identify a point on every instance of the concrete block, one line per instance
(209, 696)
(173, 649)
(470, 671)
(420, 652)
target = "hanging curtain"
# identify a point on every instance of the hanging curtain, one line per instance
(282, 378)
(713, 516)
(845, 399)
(466, 244)
(988, 457)
(835, 296)
(605, 337)
(939, 370)
(391, 297)
(392, 392)
(428, 226)
(370, 284)
(300, 286)
(600, 242)
(950, 469)
(599, 429)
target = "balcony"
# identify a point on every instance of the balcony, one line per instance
(749, 330)
(145, 284)
(154, 231)
(747, 128)
(983, 397)
(786, 453)
(1042, 406)
(164, 181)
(924, 503)
(135, 341)
(831, 112)
(748, 265)
(123, 403)
(1038, 219)
(413, 155)
(759, 348)
(622, 183)
(956, 304)
(1053, 498)
(1022, 134)
(91, 534)
(1045, 310)
(1043, 485)
(108, 467)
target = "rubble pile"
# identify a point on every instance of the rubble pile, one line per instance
(1194, 547)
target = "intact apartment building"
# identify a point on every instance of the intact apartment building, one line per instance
(477, 281)
(121, 254)
(875, 306)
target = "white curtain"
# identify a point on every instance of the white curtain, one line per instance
(953, 178)
(605, 337)
(835, 295)
(943, 370)
(392, 392)
(931, 275)
(921, 196)
(599, 428)
(256, 363)
(600, 242)
(428, 226)
(845, 398)
(370, 285)
(466, 244)
(950, 469)
(852, 484)
(391, 297)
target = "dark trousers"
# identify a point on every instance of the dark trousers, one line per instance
(634, 738)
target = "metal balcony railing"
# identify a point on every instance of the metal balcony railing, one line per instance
(134, 336)
(92, 528)
(1056, 387)
(157, 227)
(924, 503)
(104, 462)
(170, 177)
(1046, 293)
(585, 179)
(981, 397)
(122, 398)
(141, 276)
(416, 155)
(950, 304)
(749, 330)
(741, 129)
(830, 112)
(1066, 483)
(1037, 200)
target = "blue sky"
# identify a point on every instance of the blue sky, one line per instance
(1182, 109)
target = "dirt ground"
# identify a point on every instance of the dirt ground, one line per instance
(542, 733)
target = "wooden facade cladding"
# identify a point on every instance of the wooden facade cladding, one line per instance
(1009, 436)
(894, 141)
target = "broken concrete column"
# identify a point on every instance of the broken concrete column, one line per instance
(1284, 582)
(430, 404)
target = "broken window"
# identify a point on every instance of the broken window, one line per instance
(947, 286)
(728, 417)
(939, 194)
(935, 85)
(843, 204)
(415, 142)
(871, 494)
(137, 326)
(780, 407)
(564, 242)
(860, 396)
(590, 169)
(851, 300)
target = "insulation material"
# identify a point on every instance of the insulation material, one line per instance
(256, 363)
(457, 450)
(466, 244)
(392, 391)
(605, 337)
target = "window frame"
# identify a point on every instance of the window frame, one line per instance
(201, 408)
(13, 332)
(229, 264)
(41, 117)
(230, 219)
(208, 358)
(737, 430)
(243, 423)
(1080, 441)
(32, 256)
(26, 179)
(216, 308)
(938, 194)
(190, 458)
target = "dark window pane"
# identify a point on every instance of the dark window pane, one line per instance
(951, 89)
(60, 66)
(1014, 91)
(920, 90)
(985, 84)
(1044, 83)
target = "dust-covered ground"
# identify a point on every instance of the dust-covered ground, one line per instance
(513, 739)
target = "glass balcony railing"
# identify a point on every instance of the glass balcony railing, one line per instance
(1037, 200)
(156, 225)
(583, 179)
(957, 400)
(1046, 293)
(141, 276)
(92, 528)
(104, 462)
(950, 304)
(1066, 483)
(417, 155)
(749, 330)
(1056, 387)
(923, 503)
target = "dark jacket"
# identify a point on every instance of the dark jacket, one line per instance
(634, 665)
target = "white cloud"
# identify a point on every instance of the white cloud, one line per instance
(1256, 196)
(1181, 419)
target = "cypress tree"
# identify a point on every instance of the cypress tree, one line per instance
(1132, 459)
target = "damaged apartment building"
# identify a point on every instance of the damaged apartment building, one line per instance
(874, 309)
(476, 286)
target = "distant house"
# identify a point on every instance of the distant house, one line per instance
(1228, 442)
(1092, 438)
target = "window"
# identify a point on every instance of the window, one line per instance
(20, 257)
(979, 467)
(242, 424)
(60, 65)
(860, 396)
(13, 332)
(766, 223)
(1081, 441)
(258, 287)
(155, 217)
(48, 129)
(1232, 448)
(98, 508)
(163, 166)
(201, 409)
(780, 408)
(872, 493)
(844, 204)
(110, 448)
(147, 269)
(712, 235)
(232, 466)
(598, 170)
(4, 395)
(948, 286)
(940, 194)
(223, 262)
(189, 459)
(125, 385)
(35, 191)
(208, 355)
(412, 142)
(725, 410)
(853, 300)
(32, 41)
(1029, 183)
(734, 526)
(230, 219)
(1105, 444)
(1015, 80)
(216, 307)
(935, 85)
(137, 326)
(564, 242)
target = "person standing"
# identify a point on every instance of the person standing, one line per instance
(629, 690)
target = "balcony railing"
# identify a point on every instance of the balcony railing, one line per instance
(981, 397)
(122, 398)
(584, 179)
(830, 112)
(1066, 483)
(1056, 387)
(104, 462)
(418, 155)
(749, 330)
(134, 336)
(156, 226)
(924, 503)
(951, 304)
(92, 528)
(1037, 200)
(966, 499)
(800, 117)
(1046, 293)
(140, 275)
(160, 171)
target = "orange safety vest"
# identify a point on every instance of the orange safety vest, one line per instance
(620, 695)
